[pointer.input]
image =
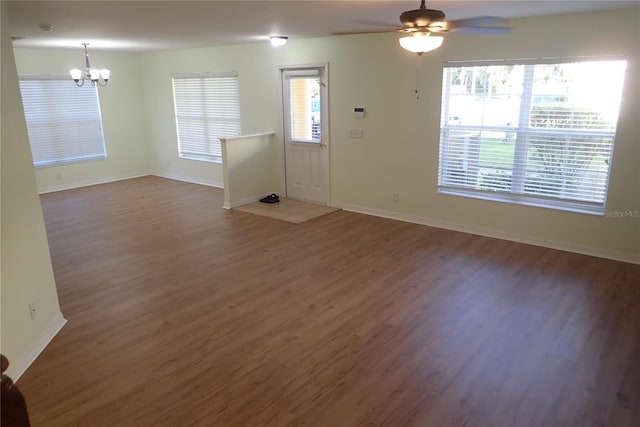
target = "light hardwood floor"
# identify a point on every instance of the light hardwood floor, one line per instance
(182, 313)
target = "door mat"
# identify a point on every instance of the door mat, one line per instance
(287, 210)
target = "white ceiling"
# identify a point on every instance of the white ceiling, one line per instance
(160, 25)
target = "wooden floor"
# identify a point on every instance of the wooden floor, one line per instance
(182, 313)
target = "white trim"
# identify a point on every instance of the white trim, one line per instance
(496, 234)
(532, 61)
(212, 74)
(189, 179)
(93, 182)
(138, 175)
(587, 208)
(19, 365)
(302, 72)
(249, 135)
(243, 202)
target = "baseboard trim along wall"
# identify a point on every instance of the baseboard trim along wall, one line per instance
(122, 178)
(18, 366)
(597, 252)
(189, 180)
(242, 202)
(90, 183)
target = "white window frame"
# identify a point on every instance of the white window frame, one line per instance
(63, 120)
(450, 183)
(207, 108)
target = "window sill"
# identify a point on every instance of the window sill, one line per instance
(52, 163)
(527, 200)
(198, 158)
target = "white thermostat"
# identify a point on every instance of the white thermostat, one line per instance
(358, 112)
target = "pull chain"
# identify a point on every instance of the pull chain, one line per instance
(418, 70)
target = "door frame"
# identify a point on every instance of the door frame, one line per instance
(325, 123)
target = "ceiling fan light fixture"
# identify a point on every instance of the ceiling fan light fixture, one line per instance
(278, 41)
(421, 42)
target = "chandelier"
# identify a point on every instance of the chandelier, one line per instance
(97, 77)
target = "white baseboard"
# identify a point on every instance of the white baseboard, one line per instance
(19, 366)
(189, 179)
(496, 234)
(124, 177)
(242, 202)
(89, 183)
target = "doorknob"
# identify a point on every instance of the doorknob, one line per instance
(323, 144)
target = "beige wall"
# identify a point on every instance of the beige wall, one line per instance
(27, 276)
(399, 151)
(260, 108)
(121, 104)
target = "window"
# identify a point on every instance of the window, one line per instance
(532, 133)
(63, 120)
(207, 108)
(302, 98)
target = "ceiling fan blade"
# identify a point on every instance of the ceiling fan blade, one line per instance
(383, 27)
(478, 21)
(481, 30)
(375, 23)
(346, 33)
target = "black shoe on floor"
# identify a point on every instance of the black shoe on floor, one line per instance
(271, 198)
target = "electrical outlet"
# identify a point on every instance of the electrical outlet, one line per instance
(169, 163)
(59, 176)
(32, 310)
(396, 198)
(355, 133)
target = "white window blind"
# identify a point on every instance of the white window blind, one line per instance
(207, 108)
(530, 133)
(63, 120)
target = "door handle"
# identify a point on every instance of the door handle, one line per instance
(323, 144)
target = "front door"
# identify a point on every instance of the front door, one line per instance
(306, 139)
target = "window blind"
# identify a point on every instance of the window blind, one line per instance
(532, 133)
(63, 121)
(207, 108)
(302, 93)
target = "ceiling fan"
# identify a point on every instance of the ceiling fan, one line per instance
(420, 24)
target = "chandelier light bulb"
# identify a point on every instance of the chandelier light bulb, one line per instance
(76, 74)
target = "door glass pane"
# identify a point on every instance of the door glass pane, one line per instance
(304, 98)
